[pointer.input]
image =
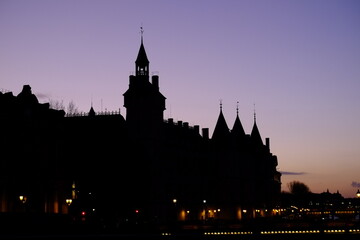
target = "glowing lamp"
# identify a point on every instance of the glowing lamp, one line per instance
(22, 198)
(68, 201)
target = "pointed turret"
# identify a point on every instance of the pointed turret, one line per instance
(237, 130)
(221, 130)
(142, 62)
(91, 112)
(255, 134)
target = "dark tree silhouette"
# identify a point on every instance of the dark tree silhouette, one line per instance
(59, 105)
(298, 188)
(71, 108)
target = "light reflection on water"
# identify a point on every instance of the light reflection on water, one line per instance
(319, 236)
(326, 234)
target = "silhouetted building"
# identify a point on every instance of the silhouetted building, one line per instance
(139, 168)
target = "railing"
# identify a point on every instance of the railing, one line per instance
(182, 124)
(85, 114)
(4, 90)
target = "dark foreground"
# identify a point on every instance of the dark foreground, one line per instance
(187, 236)
(55, 227)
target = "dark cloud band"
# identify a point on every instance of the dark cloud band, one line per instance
(355, 184)
(293, 173)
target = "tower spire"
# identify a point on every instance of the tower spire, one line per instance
(142, 33)
(91, 112)
(255, 134)
(142, 62)
(221, 131)
(237, 130)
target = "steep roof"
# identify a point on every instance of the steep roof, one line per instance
(238, 129)
(92, 112)
(221, 130)
(142, 57)
(255, 134)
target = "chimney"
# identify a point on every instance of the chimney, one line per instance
(205, 133)
(155, 81)
(171, 121)
(197, 129)
(179, 123)
(186, 125)
(267, 143)
(131, 80)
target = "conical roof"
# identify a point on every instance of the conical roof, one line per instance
(221, 130)
(91, 112)
(142, 57)
(238, 129)
(255, 134)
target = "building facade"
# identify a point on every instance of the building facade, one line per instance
(138, 168)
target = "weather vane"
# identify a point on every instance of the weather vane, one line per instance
(141, 32)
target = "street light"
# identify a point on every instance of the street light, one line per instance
(22, 198)
(204, 201)
(175, 209)
(68, 201)
(358, 193)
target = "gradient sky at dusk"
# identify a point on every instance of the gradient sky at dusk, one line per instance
(297, 61)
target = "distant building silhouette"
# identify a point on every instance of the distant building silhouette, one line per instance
(141, 167)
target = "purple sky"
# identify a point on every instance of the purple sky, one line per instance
(297, 61)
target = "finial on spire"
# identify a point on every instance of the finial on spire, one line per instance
(237, 108)
(142, 33)
(254, 113)
(220, 105)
